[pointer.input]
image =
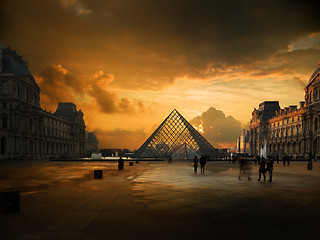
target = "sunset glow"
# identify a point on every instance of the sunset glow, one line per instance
(128, 64)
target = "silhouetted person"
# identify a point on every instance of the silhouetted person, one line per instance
(120, 163)
(245, 168)
(195, 164)
(262, 169)
(289, 158)
(270, 168)
(258, 159)
(202, 163)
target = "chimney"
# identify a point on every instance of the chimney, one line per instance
(286, 110)
(292, 108)
(302, 104)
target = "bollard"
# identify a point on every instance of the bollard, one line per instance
(309, 166)
(98, 174)
(130, 163)
(10, 202)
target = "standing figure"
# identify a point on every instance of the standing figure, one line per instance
(202, 163)
(289, 159)
(262, 169)
(245, 168)
(120, 163)
(270, 168)
(258, 159)
(195, 164)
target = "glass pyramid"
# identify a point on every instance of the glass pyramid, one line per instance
(175, 138)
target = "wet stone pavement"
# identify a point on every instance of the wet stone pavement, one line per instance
(157, 200)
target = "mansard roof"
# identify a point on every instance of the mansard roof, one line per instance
(13, 63)
(314, 74)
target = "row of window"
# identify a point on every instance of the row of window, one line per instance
(24, 93)
(285, 121)
(312, 95)
(288, 131)
(55, 122)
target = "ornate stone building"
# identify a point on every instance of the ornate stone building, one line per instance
(290, 131)
(26, 130)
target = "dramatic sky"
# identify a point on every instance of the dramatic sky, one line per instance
(128, 63)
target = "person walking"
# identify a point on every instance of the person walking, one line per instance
(195, 164)
(270, 168)
(120, 163)
(262, 169)
(202, 163)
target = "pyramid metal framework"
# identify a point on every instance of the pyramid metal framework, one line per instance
(175, 135)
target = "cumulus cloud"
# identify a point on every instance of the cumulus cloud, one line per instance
(58, 84)
(220, 130)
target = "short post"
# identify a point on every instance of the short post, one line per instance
(130, 163)
(98, 174)
(10, 202)
(309, 165)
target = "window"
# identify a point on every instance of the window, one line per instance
(292, 119)
(4, 88)
(26, 94)
(4, 122)
(4, 105)
(3, 145)
(18, 90)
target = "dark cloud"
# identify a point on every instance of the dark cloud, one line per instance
(218, 129)
(147, 44)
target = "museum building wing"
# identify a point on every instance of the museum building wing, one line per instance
(26, 130)
(293, 130)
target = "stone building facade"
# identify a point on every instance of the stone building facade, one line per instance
(26, 130)
(293, 130)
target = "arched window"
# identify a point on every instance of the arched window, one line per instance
(26, 94)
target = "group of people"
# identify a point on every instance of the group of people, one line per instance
(203, 162)
(266, 166)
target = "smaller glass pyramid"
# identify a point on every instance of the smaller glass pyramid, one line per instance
(176, 138)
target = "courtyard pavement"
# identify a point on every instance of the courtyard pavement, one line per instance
(157, 200)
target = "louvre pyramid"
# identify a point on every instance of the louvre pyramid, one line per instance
(175, 137)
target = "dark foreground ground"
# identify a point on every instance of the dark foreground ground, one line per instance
(157, 200)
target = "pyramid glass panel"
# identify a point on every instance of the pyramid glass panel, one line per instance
(175, 137)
